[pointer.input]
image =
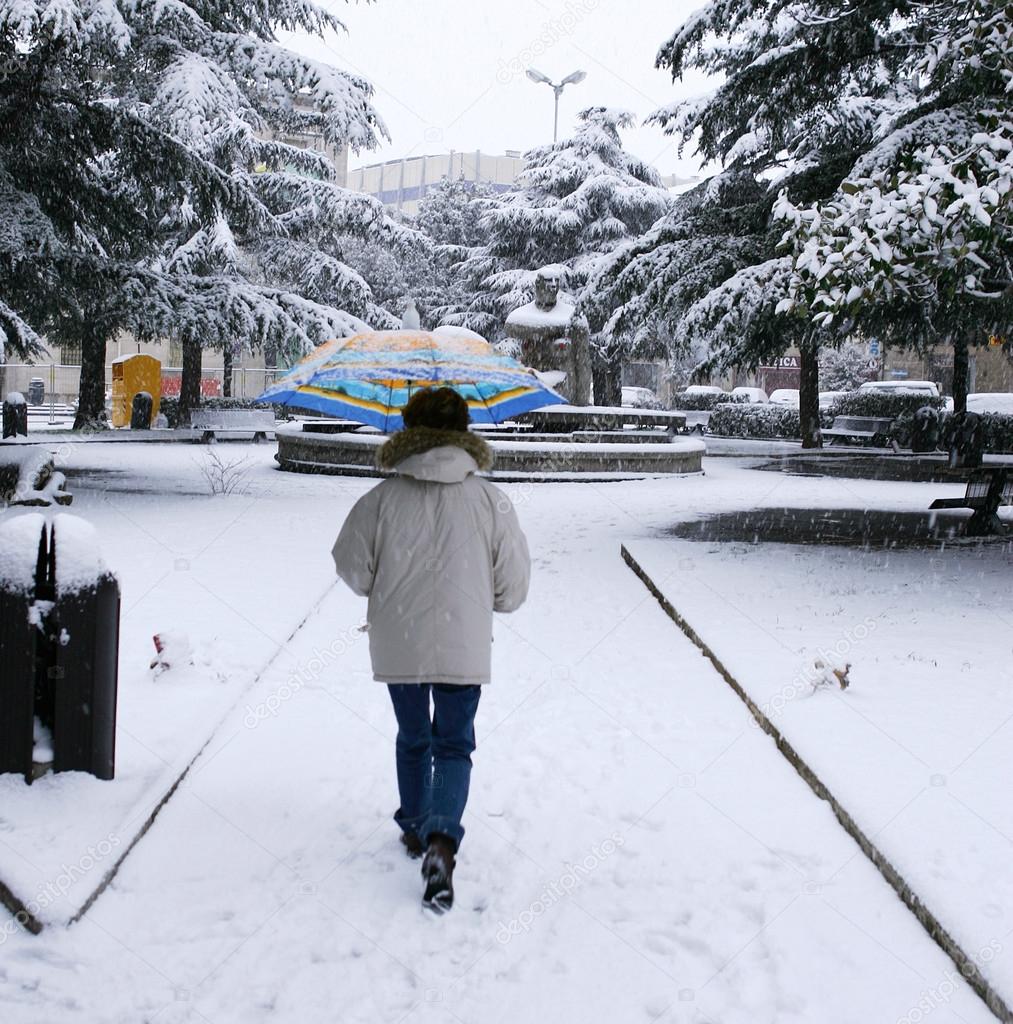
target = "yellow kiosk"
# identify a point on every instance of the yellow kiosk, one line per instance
(132, 374)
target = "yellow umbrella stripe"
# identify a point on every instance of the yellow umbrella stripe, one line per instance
(366, 403)
(359, 403)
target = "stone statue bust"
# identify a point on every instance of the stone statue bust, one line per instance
(547, 284)
(554, 337)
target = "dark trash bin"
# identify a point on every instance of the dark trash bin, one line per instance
(925, 430)
(140, 411)
(36, 391)
(966, 441)
(15, 415)
(59, 648)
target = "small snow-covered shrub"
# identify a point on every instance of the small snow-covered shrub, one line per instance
(224, 476)
(737, 419)
(704, 402)
(997, 431)
(872, 403)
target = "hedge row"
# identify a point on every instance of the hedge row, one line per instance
(778, 422)
(748, 420)
(703, 402)
(872, 403)
(996, 431)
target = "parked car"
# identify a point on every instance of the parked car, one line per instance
(987, 401)
(757, 396)
(785, 396)
(704, 389)
(901, 387)
(640, 398)
(828, 398)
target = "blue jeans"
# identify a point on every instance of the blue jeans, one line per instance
(434, 756)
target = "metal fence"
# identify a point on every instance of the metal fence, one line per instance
(60, 384)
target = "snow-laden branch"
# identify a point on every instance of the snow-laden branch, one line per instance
(931, 230)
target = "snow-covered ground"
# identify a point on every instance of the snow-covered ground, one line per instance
(918, 746)
(637, 850)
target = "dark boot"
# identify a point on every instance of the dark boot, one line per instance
(412, 844)
(438, 873)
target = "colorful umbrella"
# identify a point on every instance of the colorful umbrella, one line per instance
(370, 377)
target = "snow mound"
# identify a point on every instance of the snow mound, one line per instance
(450, 332)
(28, 475)
(19, 550)
(79, 562)
(531, 316)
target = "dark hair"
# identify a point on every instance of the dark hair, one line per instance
(440, 408)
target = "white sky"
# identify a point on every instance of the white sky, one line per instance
(449, 74)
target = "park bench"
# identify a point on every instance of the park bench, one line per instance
(987, 489)
(872, 430)
(212, 424)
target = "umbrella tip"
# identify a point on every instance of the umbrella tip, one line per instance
(410, 321)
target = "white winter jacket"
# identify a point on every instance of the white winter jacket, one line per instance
(436, 550)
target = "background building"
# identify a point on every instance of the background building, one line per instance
(401, 184)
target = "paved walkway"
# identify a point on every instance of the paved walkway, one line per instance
(637, 850)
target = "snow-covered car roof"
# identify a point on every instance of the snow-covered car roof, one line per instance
(921, 387)
(991, 401)
(755, 394)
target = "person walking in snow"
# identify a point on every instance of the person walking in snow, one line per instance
(437, 550)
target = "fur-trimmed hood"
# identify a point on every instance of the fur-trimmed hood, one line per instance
(431, 454)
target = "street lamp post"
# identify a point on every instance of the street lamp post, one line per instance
(572, 79)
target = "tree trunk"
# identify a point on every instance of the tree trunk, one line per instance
(961, 373)
(189, 385)
(227, 372)
(809, 395)
(91, 403)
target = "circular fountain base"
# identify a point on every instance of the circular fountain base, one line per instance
(563, 458)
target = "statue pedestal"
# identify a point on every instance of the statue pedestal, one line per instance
(554, 338)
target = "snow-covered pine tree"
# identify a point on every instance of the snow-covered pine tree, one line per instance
(576, 200)
(846, 367)
(268, 91)
(418, 264)
(802, 91)
(916, 245)
(128, 164)
(648, 283)
(450, 213)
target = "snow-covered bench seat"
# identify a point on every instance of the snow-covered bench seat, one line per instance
(212, 424)
(873, 430)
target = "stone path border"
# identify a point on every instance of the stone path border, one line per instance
(937, 932)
